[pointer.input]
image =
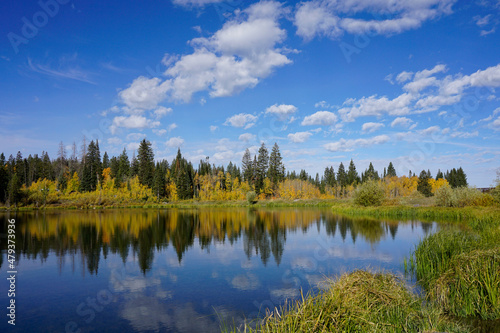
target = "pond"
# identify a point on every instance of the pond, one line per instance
(183, 270)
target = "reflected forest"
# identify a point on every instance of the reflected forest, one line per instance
(87, 236)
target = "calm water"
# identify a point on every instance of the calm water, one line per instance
(183, 270)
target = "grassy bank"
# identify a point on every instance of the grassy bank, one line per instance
(359, 302)
(184, 204)
(457, 269)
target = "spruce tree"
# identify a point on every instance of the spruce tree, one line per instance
(276, 168)
(352, 174)
(247, 166)
(262, 166)
(4, 179)
(391, 171)
(146, 166)
(423, 185)
(341, 176)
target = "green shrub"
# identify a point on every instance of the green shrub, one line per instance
(462, 197)
(251, 197)
(369, 193)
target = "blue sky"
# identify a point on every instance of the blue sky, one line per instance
(412, 82)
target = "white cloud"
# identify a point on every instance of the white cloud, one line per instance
(322, 118)
(175, 142)
(377, 106)
(430, 130)
(246, 137)
(482, 21)
(160, 132)
(350, 145)
(198, 3)
(135, 136)
(401, 121)
(213, 128)
(132, 121)
(241, 120)
(464, 135)
(236, 57)
(299, 136)
(144, 93)
(404, 76)
(322, 104)
(133, 146)
(114, 141)
(162, 111)
(371, 127)
(332, 18)
(282, 111)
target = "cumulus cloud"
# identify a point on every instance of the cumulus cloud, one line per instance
(162, 111)
(234, 58)
(371, 127)
(175, 142)
(322, 118)
(144, 93)
(282, 111)
(132, 122)
(423, 91)
(299, 137)
(246, 137)
(241, 120)
(333, 18)
(350, 145)
(402, 122)
(213, 128)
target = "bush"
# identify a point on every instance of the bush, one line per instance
(462, 197)
(251, 197)
(369, 193)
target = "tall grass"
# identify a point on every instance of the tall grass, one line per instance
(358, 302)
(460, 269)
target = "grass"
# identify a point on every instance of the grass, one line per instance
(460, 270)
(360, 301)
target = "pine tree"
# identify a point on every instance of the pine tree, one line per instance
(145, 159)
(371, 174)
(352, 174)
(105, 161)
(391, 171)
(159, 182)
(123, 167)
(14, 191)
(276, 168)
(439, 175)
(247, 166)
(341, 177)
(4, 179)
(423, 185)
(262, 166)
(461, 178)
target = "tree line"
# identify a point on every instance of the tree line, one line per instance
(265, 173)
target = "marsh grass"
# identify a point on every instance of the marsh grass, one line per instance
(360, 301)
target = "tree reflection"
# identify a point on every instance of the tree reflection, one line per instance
(141, 233)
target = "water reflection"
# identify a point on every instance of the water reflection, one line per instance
(141, 233)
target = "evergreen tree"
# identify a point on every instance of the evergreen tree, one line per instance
(461, 178)
(329, 177)
(247, 166)
(370, 173)
(262, 166)
(14, 192)
(93, 165)
(276, 168)
(124, 167)
(145, 159)
(159, 182)
(134, 166)
(105, 161)
(352, 174)
(439, 175)
(341, 177)
(4, 179)
(391, 171)
(423, 185)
